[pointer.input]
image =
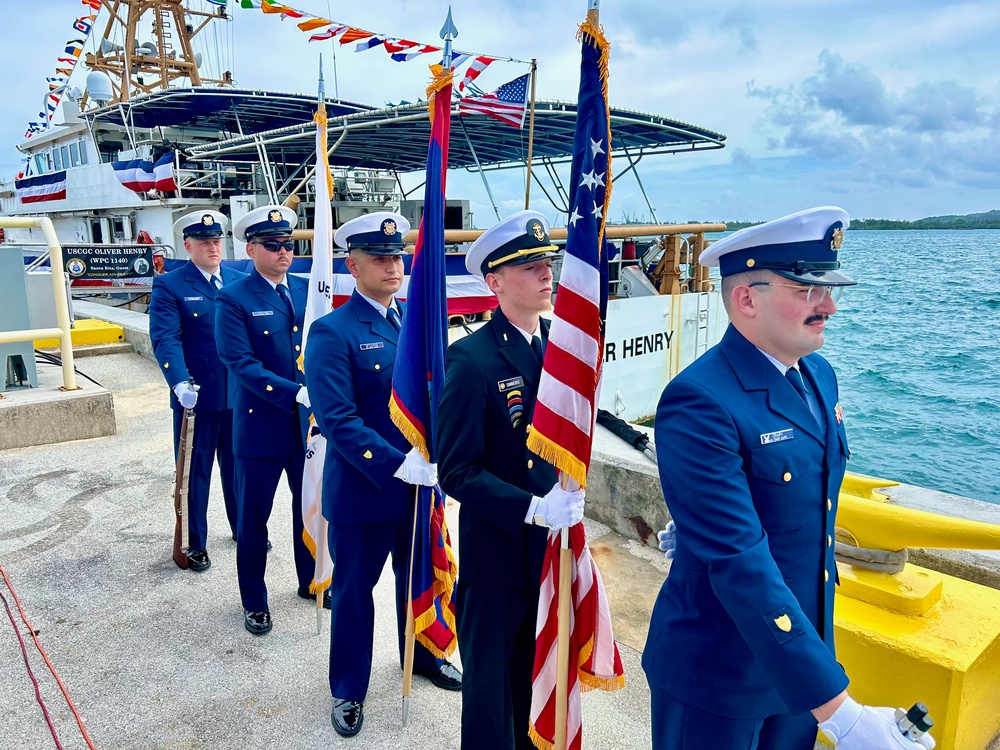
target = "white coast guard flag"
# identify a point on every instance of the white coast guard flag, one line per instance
(318, 303)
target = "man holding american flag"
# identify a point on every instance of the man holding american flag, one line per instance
(509, 495)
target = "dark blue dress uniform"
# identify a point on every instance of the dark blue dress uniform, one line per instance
(741, 641)
(260, 340)
(182, 332)
(484, 463)
(349, 365)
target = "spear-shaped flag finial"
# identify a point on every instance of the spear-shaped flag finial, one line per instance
(448, 33)
(322, 86)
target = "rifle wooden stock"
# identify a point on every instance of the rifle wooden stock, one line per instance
(182, 474)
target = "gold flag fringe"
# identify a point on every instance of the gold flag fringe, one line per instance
(558, 456)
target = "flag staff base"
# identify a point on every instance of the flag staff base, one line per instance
(409, 634)
(562, 652)
(319, 612)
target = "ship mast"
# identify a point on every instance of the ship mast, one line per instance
(142, 68)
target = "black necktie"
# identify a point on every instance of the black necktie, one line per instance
(393, 317)
(538, 348)
(795, 378)
(217, 283)
(283, 293)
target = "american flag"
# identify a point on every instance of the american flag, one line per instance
(563, 421)
(507, 104)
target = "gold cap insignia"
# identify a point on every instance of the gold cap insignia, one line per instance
(274, 216)
(535, 227)
(366, 454)
(389, 227)
(207, 220)
(784, 623)
(838, 239)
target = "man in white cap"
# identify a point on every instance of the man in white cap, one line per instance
(259, 333)
(367, 497)
(509, 495)
(182, 332)
(752, 451)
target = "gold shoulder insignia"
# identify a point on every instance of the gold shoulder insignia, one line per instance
(784, 623)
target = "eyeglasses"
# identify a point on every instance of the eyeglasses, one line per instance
(276, 246)
(814, 293)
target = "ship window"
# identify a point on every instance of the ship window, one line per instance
(65, 156)
(40, 163)
(74, 153)
(48, 161)
(96, 233)
(56, 159)
(83, 152)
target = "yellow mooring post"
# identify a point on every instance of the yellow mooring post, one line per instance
(919, 635)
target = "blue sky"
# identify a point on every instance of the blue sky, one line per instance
(889, 109)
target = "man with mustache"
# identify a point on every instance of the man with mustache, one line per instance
(752, 452)
(182, 332)
(370, 467)
(259, 334)
(509, 495)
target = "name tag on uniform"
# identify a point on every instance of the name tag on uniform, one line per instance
(373, 345)
(506, 385)
(258, 313)
(776, 437)
(193, 299)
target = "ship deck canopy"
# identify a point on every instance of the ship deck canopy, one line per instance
(228, 111)
(389, 138)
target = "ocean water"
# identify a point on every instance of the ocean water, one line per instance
(916, 347)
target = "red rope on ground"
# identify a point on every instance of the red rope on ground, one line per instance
(27, 665)
(45, 656)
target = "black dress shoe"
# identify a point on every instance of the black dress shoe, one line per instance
(198, 560)
(268, 545)
(257, 623)
(306, 594)
(446, 677)
(347, 717)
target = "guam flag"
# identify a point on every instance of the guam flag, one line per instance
(416, 388)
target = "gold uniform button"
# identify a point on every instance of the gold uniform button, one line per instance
(751, 263)
(196, 315)
(530, 463)
(829, 540)
(266, 332)
(378, 367)
(295, 329)
(166, 365)
(787, 476)
(829, 504)
(826, 575)
(296, 347)
(249, 411)
(269, 388)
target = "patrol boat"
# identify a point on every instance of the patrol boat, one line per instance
(157, 131)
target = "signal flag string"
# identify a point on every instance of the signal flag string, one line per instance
(27, 664)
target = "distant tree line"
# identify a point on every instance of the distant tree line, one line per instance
(987, 220)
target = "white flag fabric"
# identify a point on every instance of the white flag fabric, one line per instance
(318, 303)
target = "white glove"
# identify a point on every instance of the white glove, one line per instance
(668, 540)
(303, 397)
(415, 469)
(857, 727)
(187, 394)
(559, 508)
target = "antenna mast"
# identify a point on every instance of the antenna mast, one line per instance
(142, 68)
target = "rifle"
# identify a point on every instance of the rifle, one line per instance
(182, 473)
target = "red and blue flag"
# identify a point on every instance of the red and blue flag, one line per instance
(416, 388)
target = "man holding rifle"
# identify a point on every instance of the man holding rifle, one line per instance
(182, 331)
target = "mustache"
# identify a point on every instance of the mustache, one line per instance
(816, 319)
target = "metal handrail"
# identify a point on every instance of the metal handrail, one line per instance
(62, 332)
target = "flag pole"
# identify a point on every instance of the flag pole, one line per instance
(448, 33)
(409, 635)
(321, 108)
(531, 134)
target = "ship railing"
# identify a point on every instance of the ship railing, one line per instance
(62, 330)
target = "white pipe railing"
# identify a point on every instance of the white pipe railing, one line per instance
(62, 332)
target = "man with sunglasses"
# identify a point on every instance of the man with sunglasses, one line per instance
(752, 451)
(259, 334)
(370, 466)
(182, 332)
